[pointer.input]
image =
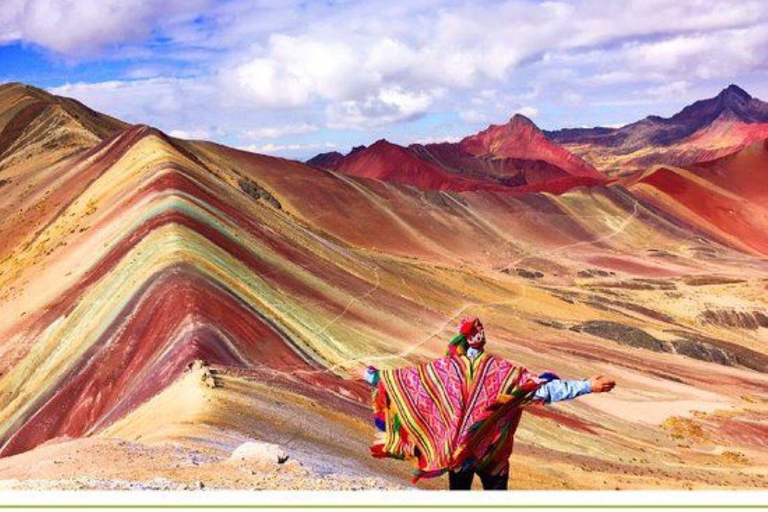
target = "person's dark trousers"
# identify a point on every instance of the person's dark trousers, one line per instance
(462, 480)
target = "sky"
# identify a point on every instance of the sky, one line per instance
(294, 79)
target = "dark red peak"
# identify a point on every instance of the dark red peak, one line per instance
(381, 151)
(519, 131)
(520, 121)
(734, 93)
(386, 161)
(520, 139)
(356, 149)
(327, 160)
(330, 154)
(383, 147)
(382, 143)
(732, 104)
(733, 97)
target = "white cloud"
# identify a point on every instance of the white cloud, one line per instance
(287, 148)
(705, 55)
(571, 98)
(185, 108)
(529, 111)
(289, 71)
(297, 70)
(10, 28)
(611, 78)
(493, 107)
(78, 28)
(389, 105)
(432, 139)
(265, 84)
(197, 133)
(474, 116)
(142, 101)
(671, 89)
(143, 72)
(273, 132)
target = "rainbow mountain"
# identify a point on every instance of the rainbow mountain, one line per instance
(169, 300)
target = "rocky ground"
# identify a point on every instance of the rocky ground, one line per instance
(105, 464)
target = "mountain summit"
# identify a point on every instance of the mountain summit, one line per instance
(521, 139)
(734, 93)
(732, 99)
(703, 130)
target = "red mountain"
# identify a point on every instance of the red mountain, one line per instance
(390, 162)
(515, 156)
(726, 197)
(326, 160)
(168, 302)
(522, 140)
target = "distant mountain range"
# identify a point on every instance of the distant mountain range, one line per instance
(706, 130)
(515, 157)
(520, 158)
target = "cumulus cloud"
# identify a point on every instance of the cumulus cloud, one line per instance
(291, 148)
(195, 133)
(432, 139)
(182, 107)
(493, 107)
(673, 88)
(706, 55)
(272, 132)
(389, 105)
(78, 28)
(141, 101)
(611, 78)
(10, 28)
(529, 111)
(295, 71)
(474, 116)
(289, 72)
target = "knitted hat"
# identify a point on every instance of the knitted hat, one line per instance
(467, 328)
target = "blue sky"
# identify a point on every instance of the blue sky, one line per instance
(298, 78)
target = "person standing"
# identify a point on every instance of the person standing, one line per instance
(458, 414)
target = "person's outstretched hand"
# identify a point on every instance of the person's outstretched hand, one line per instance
(601, 384)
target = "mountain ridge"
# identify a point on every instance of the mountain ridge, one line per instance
(504, 154)
(676, 140)
(248, 292)
(515, 157)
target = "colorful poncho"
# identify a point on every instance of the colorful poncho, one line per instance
(452, 413)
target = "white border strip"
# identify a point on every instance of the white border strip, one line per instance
(389, 498)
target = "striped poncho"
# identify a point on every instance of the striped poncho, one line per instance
(452, 413)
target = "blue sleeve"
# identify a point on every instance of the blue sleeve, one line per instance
(559, 390)
(371, 376)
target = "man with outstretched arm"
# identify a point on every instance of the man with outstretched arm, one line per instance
(458, 414)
